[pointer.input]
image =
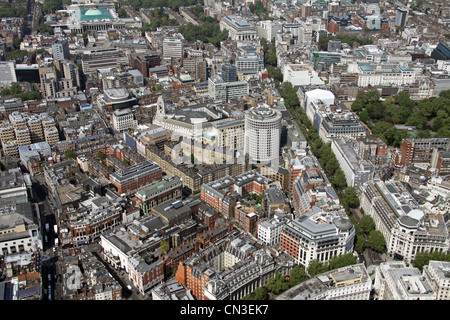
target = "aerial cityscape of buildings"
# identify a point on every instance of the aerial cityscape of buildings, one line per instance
(224, 150)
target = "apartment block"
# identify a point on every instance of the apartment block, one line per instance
(51, 135)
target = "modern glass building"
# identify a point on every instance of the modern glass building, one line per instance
(442, 51)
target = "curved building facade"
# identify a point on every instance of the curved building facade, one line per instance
(262, 133)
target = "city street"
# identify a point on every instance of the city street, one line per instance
(121, 277)
(48, 257)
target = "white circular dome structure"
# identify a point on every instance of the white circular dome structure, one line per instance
(93, 12)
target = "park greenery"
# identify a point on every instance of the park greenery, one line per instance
(8, 11)
(51, 6)
(367, 236)
(16, 54)
(270, 61)
(43, 27)
(429, 116)
(164, 247)
(350, 39)
(417, 6)
(316, 267)
(70, 154)
(423, 258)
(207, 32)
(270, 53)
(279, 284)
(158, 19)
(15, 91)
(258, 8)
(122, 12)
(350, 199)
(20, 54)
(173, 4)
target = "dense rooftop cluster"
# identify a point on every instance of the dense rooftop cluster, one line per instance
(214, 150)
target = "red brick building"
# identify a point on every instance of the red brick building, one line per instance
(146, 276)
(207, 216)
(421, 150)
(214, 192)
(246, 218)
(194, 277)
(177, 255)
(289, 243)
(136, 176)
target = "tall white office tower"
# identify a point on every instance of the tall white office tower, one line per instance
(262, 133)
(400, 17)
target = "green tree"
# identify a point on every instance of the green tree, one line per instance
(208, 32)
(376, 241)
(419, 121)
(15, 88)
(376, 110)
(289, 95)
(259, 199)
(357, 105)
(445, 94)
(323, 42)
(424, 134)
(342, 260)
(12, 55)
(164, 247)
(360, 243)
(443, 132)
(350, 198)
(331, 165)
(367, 224)
(274, 73)
(70, 154)
(277, 284)
(364, 116)
(339, 181)
(258, 8)
(122, 13)
(403, 100)
(260, 294)
(271, 57)
(388, 133)
(298, 275)
(101, 155)
(316, 267)
(263, 43)
(423, 258)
